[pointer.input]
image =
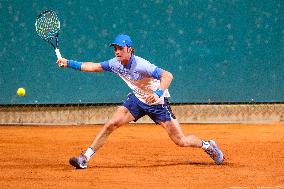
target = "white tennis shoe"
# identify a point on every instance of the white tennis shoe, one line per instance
(214, 152)
(79, 162)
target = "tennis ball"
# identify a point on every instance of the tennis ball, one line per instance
(21, 91)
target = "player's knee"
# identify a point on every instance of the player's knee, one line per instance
(180, 141)
(111, 126)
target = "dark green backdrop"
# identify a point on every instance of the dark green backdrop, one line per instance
(217, 50)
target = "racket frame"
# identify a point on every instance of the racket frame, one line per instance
(55, 46)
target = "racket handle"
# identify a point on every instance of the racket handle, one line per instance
(58, 54)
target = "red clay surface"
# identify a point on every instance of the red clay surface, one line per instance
(142, 156)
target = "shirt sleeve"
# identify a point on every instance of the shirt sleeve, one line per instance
(153, 70)
(157, 73)
(105, 66)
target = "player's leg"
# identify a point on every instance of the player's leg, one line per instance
(119, 118)
(165, 117)
(176, 134)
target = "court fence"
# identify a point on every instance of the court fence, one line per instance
(82, 114)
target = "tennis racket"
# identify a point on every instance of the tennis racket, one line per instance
(47, 27)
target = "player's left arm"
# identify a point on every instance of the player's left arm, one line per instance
(165, 82)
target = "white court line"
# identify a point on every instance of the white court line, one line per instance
(261, 187)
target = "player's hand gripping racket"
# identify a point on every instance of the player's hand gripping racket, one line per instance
(47, 27)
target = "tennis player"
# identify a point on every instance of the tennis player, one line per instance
(149, 96)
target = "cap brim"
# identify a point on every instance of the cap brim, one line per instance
(121, 45)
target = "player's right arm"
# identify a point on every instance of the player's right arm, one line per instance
(81, 66)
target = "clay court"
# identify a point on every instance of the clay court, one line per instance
(142, 156)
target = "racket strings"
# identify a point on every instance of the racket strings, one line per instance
(47, 25)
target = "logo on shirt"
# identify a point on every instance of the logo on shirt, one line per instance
(127, 74)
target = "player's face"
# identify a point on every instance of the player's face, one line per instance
(122, 54)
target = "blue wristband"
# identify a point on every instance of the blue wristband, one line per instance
(159, 92)
(74, 64)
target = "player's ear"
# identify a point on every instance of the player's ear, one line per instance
(130, 49)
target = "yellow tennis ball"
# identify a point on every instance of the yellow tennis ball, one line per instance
(21, 91)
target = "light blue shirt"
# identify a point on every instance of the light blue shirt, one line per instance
(139, 74)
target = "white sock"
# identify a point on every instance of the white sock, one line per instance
(89, 153)
(205, 145)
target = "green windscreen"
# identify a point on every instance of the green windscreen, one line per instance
(222, 51)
